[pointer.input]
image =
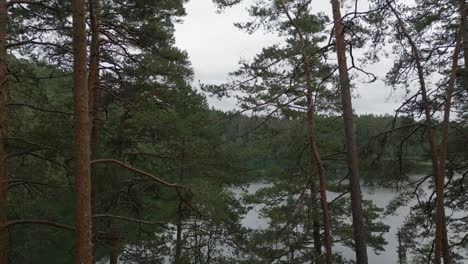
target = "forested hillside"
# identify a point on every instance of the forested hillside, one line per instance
(110, 152)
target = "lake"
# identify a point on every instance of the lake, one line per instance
(380, 197)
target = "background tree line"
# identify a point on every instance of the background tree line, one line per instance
(109, 153)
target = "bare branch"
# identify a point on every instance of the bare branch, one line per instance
(130, 219)
(28, 2)
(41, 109)
(37, 222)
(149, 175)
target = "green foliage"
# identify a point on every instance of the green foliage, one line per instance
(153, 120)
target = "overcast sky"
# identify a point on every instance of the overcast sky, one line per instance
(215, 47)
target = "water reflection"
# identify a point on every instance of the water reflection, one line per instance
(378, 195)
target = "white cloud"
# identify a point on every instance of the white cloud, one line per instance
(215, 47)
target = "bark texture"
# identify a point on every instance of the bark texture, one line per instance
(315, 220)
(179, 242)
(115, 249)
(351, 147)
(3, 130)
(93, 76)
(463, 14)
(441, 231)
(316, 160)
(428, 116)
(93, 94)
(438, 159)
(82, 125)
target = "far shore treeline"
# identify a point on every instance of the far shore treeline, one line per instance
(110, 152)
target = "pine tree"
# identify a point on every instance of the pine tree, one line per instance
(82, 133)
(351, 147)
(3, 130)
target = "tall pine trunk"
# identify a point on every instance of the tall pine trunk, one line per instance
(3, 130)
(93, 94)
(178, 249)
(114, 244)
(316, 160)
(315, 220)
(440, 212)
(463, 6)
(179, 242)
(438, 160)
(428, 122)
(351, 146)
(81, 130)
(93, 75)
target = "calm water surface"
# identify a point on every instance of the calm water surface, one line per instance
(380, 197)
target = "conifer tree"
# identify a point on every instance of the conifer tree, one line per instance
(3, 130)
(351, 147)
(82, 133)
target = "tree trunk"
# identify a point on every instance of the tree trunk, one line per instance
(115, 249)
(429, 124)
(3, 130)
(352, 153)
(114, 241)
(316, 160)
(114, 259)
(315, 220)
(93, 94)
(438, 162)
(178, 253)
(465, 40)
(83, 216)
(93, 76)
(444, 142)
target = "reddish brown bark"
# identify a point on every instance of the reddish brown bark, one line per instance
(429, 125)
(82, 126)
(350, 141)
(93, 75)
(442, 248)
(93, 93)
(178, 253)
(178, 249)
(441, 231)
(3, 129)
(115, 250)
(316, 159)
(315, 220)
(465, 39)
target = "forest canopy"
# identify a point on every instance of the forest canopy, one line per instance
(112, 152)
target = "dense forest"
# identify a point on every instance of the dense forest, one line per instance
(111, 153)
